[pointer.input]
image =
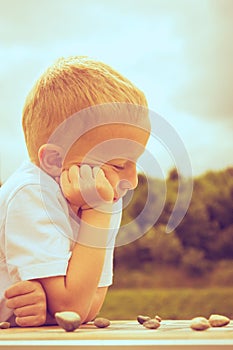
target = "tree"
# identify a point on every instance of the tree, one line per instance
(209, 216)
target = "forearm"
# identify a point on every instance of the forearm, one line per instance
(76, 291)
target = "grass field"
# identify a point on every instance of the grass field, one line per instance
(169, 303)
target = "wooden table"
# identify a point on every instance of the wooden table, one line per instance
(171, 335)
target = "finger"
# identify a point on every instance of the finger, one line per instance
(65, 183)
(30, 321)
(30, 310)
(22, 287)
(74, 174)
(85, 171)
(22, 300)
(101, 177)
(24, 311)
(64, 178)
(97, 171)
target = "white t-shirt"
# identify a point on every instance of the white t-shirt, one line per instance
(38, 231)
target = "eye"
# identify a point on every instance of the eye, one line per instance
(118, 166)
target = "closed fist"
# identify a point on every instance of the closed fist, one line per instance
(86, 187)
(28, 301)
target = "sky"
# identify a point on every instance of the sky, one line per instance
(179, 52)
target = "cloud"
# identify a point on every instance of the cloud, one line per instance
(182, 47)
(179, 52)
(207, 88)
(37, 23)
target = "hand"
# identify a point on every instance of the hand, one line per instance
(86, 187)
(28, 300)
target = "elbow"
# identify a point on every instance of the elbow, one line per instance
(68, 305)
(90, 317)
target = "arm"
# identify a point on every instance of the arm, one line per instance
(77, 290)
(28, 300)
(97, 303)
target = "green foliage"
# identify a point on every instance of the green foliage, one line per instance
(194, 262)
(159, 275)
(155, 246)
(222, 275)
(204, 235)
(208, 225)
(168, 303)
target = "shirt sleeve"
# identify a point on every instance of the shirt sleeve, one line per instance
(37, 234)
(106, 278)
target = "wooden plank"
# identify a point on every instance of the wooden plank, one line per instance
(121, 330)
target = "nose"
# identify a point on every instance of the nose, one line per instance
(132, 177)
(129, 184)
(128, 181)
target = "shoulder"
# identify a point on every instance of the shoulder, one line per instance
(29, 184)
(31, 198)
(25, 175)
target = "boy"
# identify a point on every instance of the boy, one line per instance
(60, 212)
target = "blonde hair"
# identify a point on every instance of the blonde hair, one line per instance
(67, 87)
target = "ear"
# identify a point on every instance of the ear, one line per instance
(50, 157)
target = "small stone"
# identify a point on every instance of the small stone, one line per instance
(199, 324)
(5, 325)
(218, 320)
(68, 320)
(152, 324)
(158, 318)
(141, 319)
(101, 322)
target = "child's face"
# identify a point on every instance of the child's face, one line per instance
(116, 149)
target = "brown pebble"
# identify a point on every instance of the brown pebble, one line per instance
(199, 324)
(101, 322)
(158, 318)
(141, 319)
(218, 320)
(152, 324)
(5, 325)
(68, 320)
